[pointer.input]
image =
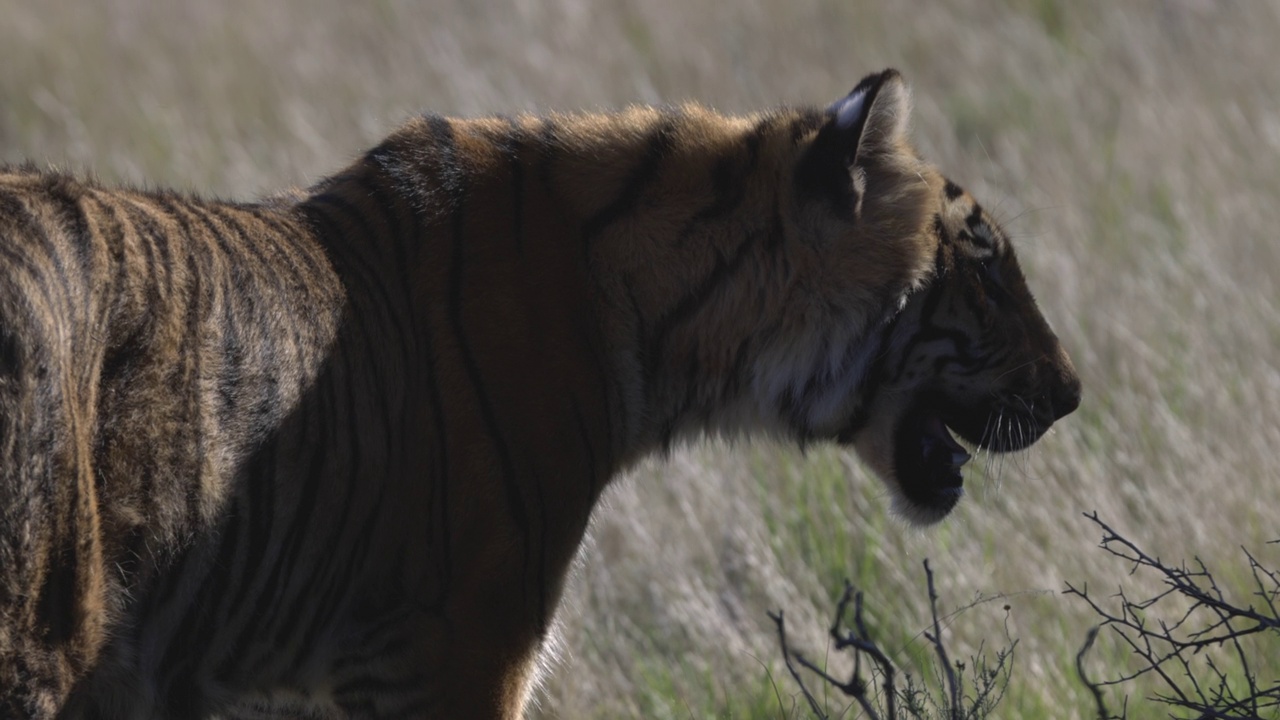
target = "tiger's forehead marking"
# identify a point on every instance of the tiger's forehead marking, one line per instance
(970, 227)
(981, 233)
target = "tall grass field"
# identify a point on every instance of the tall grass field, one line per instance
(1132, 149)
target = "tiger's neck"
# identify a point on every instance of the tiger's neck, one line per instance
(687, 225)
(637, 258)
(684, 250)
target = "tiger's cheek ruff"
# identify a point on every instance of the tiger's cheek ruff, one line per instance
(809, 388)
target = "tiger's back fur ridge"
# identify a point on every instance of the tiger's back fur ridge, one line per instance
(334, 453)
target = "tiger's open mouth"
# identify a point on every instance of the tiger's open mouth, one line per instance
(928, 461)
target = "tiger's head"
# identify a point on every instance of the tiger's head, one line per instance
(969, 354)
(961, 348)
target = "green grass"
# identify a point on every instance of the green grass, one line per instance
(680, 690)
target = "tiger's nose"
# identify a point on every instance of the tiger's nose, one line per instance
(1065, 396)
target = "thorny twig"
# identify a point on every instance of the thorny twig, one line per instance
(989, 682)
(1170, 650)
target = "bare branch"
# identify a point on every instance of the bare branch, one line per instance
(1185, 655)
(786, 658)
(913, 699)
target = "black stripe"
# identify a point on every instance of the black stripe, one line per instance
(437, 512)
(245, 244)
(350, 263)
(197, 304)
(199, 620)
(725, 269)
(870, 387)
(449, 170)
(321, 559)
(123, 353)
(259, 485)
(335, 545)
(643, 343)
(279, 270)
(69, 213)
(112, 231)
(356, 551)
(685, 309)
(942, 257)
(52, 293)
(593, 479)
(322, 405)
(513, 145)
(376, 686)
(659, 142)
(159, 270)
(803, 122)
(776, 236)
(233, 355)
(737, 371)
(952, 190)
(676, 419)
(589, 338)
(398, 218)
(263, 336)
(400, 222)
(374, 307)
(223, 580)
(730, 178)
(928, 332)
(515, 499)
(377, 279)
(296, 532)
(730, 175)
(457, 270)
(974, 220)
(312, 266)
(549, 147)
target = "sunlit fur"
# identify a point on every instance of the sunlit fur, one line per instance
(334, 452)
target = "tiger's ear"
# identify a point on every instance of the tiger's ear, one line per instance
(873, 116)
(871, 119)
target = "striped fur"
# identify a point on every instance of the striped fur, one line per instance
(333, 454)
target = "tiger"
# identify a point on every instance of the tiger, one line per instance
(332, 453)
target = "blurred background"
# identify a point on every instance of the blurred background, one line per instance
(1131, 149)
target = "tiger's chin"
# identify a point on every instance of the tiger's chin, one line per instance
(915, 452)
(927, 464)
(918, 458)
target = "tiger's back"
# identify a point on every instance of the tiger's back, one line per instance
(334, 454)
(149, 356)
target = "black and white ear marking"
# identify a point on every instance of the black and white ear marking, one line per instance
(871, 118)
(850, 110)
(872, 114)
(850, 113)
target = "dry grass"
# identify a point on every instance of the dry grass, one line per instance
(1132, 148)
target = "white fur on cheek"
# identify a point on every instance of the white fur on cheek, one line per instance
(826, 376)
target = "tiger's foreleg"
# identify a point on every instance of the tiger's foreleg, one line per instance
(412, 662)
